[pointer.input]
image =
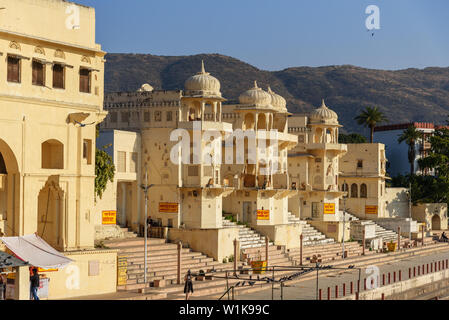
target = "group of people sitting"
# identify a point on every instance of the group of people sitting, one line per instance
(444, 237)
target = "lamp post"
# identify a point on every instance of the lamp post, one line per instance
(410, 210)
(344, 223)
(145, 188)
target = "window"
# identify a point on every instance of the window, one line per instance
(301, 139)
(157, 116)
(58, 76)
(363, 191)
(114, 117)
(169, 116)
(359, 164)
(121, 161)
(38, 78)
(315, 210)
(354, 191)
(146, 116)
(124, 116)
(52, 155)
(13, 69)
(85, 80)
(87, 150)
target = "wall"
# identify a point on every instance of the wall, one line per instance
(75, 281)
(425, 211)
(396, 202)
(282, 235)
(332, 229)
(215, 243)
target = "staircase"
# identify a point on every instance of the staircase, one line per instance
(248, 238)
(113, 232)
(386, 234)
(162, 261)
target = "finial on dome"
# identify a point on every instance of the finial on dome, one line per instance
(323, 105)
(255, 84)
(269, 90)
(202, 67)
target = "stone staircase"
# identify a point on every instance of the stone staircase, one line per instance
(162, 261)
(386, 234)
(248, 238)
(113, 232)
(311, 236)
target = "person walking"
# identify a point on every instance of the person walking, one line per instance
(188, 287)
(34, 284)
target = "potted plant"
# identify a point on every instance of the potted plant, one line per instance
(391, 246)
(259, 266)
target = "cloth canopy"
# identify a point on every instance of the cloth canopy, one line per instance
(8, 261)
(34, 250)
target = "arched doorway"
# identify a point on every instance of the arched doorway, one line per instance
(50, 213)
(436, 222)
(9, 191)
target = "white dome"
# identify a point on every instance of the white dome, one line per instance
(256, 97)
(277, 101)
(204, 82)
(146, 87)
(324, 113)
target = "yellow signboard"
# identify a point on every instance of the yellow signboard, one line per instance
(329, 208)
(122, 268)
(168, 207)
(109, 217)
(263, 214)
(46, 270)
(370, 209)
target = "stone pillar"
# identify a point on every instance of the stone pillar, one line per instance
(178, 278)
(267, 240)
(215, 111)
(363, 242)
(22, 283)
(422, 234)
(399, 238)
(300, 249)
(236, 255)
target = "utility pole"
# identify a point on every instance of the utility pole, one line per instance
(410, 209)
(344, 223)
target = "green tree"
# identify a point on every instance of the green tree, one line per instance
(370, 117)
(104, 169)
(351, 138)
(411, 137)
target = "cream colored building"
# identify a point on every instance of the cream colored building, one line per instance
(51, 98)
(314, 165)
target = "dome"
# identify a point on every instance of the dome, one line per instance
(277, 101)
(146, 87)
(255, 97)
(323, 113)
(204, 82)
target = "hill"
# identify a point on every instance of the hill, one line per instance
(403, 95)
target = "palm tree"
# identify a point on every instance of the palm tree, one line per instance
(411, 136)
(370, 117)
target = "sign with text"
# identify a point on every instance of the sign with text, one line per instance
(329, 208)
(168, 207)
(370, 209)
(109, 217)
(263, 214)
(122, 268)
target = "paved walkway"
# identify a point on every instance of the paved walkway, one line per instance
(306, 290)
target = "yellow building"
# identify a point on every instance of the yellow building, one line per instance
(51, 98)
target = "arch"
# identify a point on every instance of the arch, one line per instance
(329, 138)
(14, 45)
(248, 122)
(436, 222)
(363, 191)
(39, 50)
(50, 213)
(261, 121)
(354, 191)
(318, 135)
(52, 154)
(59, 54)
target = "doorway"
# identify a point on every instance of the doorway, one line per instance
(246, 217)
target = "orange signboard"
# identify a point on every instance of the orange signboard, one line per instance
(370, 209)
(109, 217)
(263, 214)
(168, 207)
(329, 208)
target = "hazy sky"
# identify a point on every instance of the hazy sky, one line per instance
(274, 35)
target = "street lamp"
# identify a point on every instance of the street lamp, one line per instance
(344, 212)
(145, 188)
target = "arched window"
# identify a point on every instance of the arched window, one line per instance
(363, 191)
(52, 154)
(354, 191)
